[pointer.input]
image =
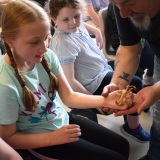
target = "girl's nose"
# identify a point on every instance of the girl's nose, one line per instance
(43, 47)
(73, 21)
(124, 11)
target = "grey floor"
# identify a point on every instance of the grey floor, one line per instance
(137, 149)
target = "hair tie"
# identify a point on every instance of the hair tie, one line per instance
(23, 85)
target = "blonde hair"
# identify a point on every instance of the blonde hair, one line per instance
(15, 15)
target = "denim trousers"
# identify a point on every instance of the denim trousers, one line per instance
(154, 146)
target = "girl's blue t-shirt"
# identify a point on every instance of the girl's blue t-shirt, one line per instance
(49, 114)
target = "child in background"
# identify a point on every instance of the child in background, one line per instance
(92, 7)
(30, 115)
(83, 63)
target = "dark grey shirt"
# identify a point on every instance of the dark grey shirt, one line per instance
(130, 35)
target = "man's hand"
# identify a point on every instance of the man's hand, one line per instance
(109, 88)
(123, 99)
(111, 101)
(132, 109)
(145, 98)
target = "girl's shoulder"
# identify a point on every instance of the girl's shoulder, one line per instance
(50, 55)
(60, 36)
(53, 61)
(61, 42)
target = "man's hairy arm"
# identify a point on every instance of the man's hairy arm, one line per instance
(126, 64)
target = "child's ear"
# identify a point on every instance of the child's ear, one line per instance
(53, 20)
(9, 42)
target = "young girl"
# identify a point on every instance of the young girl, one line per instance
(30, 116)
(83, 63)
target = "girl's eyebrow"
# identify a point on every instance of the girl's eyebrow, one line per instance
(64, 17)
(40, 36)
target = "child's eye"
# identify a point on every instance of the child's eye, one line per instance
(46, 38)
(77, 16)
(65, 20)
(35, 42)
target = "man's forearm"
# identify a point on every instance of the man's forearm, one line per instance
(126, 65)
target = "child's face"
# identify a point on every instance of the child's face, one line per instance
(31, 42)
(68, 19)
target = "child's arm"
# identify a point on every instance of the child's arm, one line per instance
(69, 72)
(94, 31)
(17, 140)
(94, 16)
(7, 152)
(79, 100)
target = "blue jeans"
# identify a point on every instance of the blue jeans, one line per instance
(154, 148)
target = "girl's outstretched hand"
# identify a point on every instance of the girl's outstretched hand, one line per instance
(119, 100)
(66, 134)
